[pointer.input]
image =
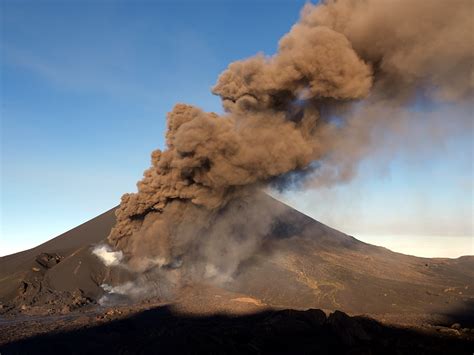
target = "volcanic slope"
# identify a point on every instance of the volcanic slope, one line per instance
(57, 268)
(302, 264)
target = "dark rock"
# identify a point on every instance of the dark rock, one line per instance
(449, 331)
(48, 260)
(23, 287)
(289, 322)
(315, 317)
(456, 326)
(347, 329)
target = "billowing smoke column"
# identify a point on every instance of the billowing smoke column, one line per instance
(199, 200)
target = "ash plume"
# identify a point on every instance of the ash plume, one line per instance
(344, 71)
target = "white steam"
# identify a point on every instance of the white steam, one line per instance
(107, 255)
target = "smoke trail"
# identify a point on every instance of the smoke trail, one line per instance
(312, 108)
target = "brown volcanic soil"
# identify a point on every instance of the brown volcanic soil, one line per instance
(164, 329)
(312, 265)
(303, 264)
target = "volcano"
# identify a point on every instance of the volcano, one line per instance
(302, 264)
(199, 260)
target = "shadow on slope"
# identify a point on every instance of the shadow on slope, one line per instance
(162, 330)
(463, 315)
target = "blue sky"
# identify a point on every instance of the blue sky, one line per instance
(85, 88)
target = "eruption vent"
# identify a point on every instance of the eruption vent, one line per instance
(199, 200)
